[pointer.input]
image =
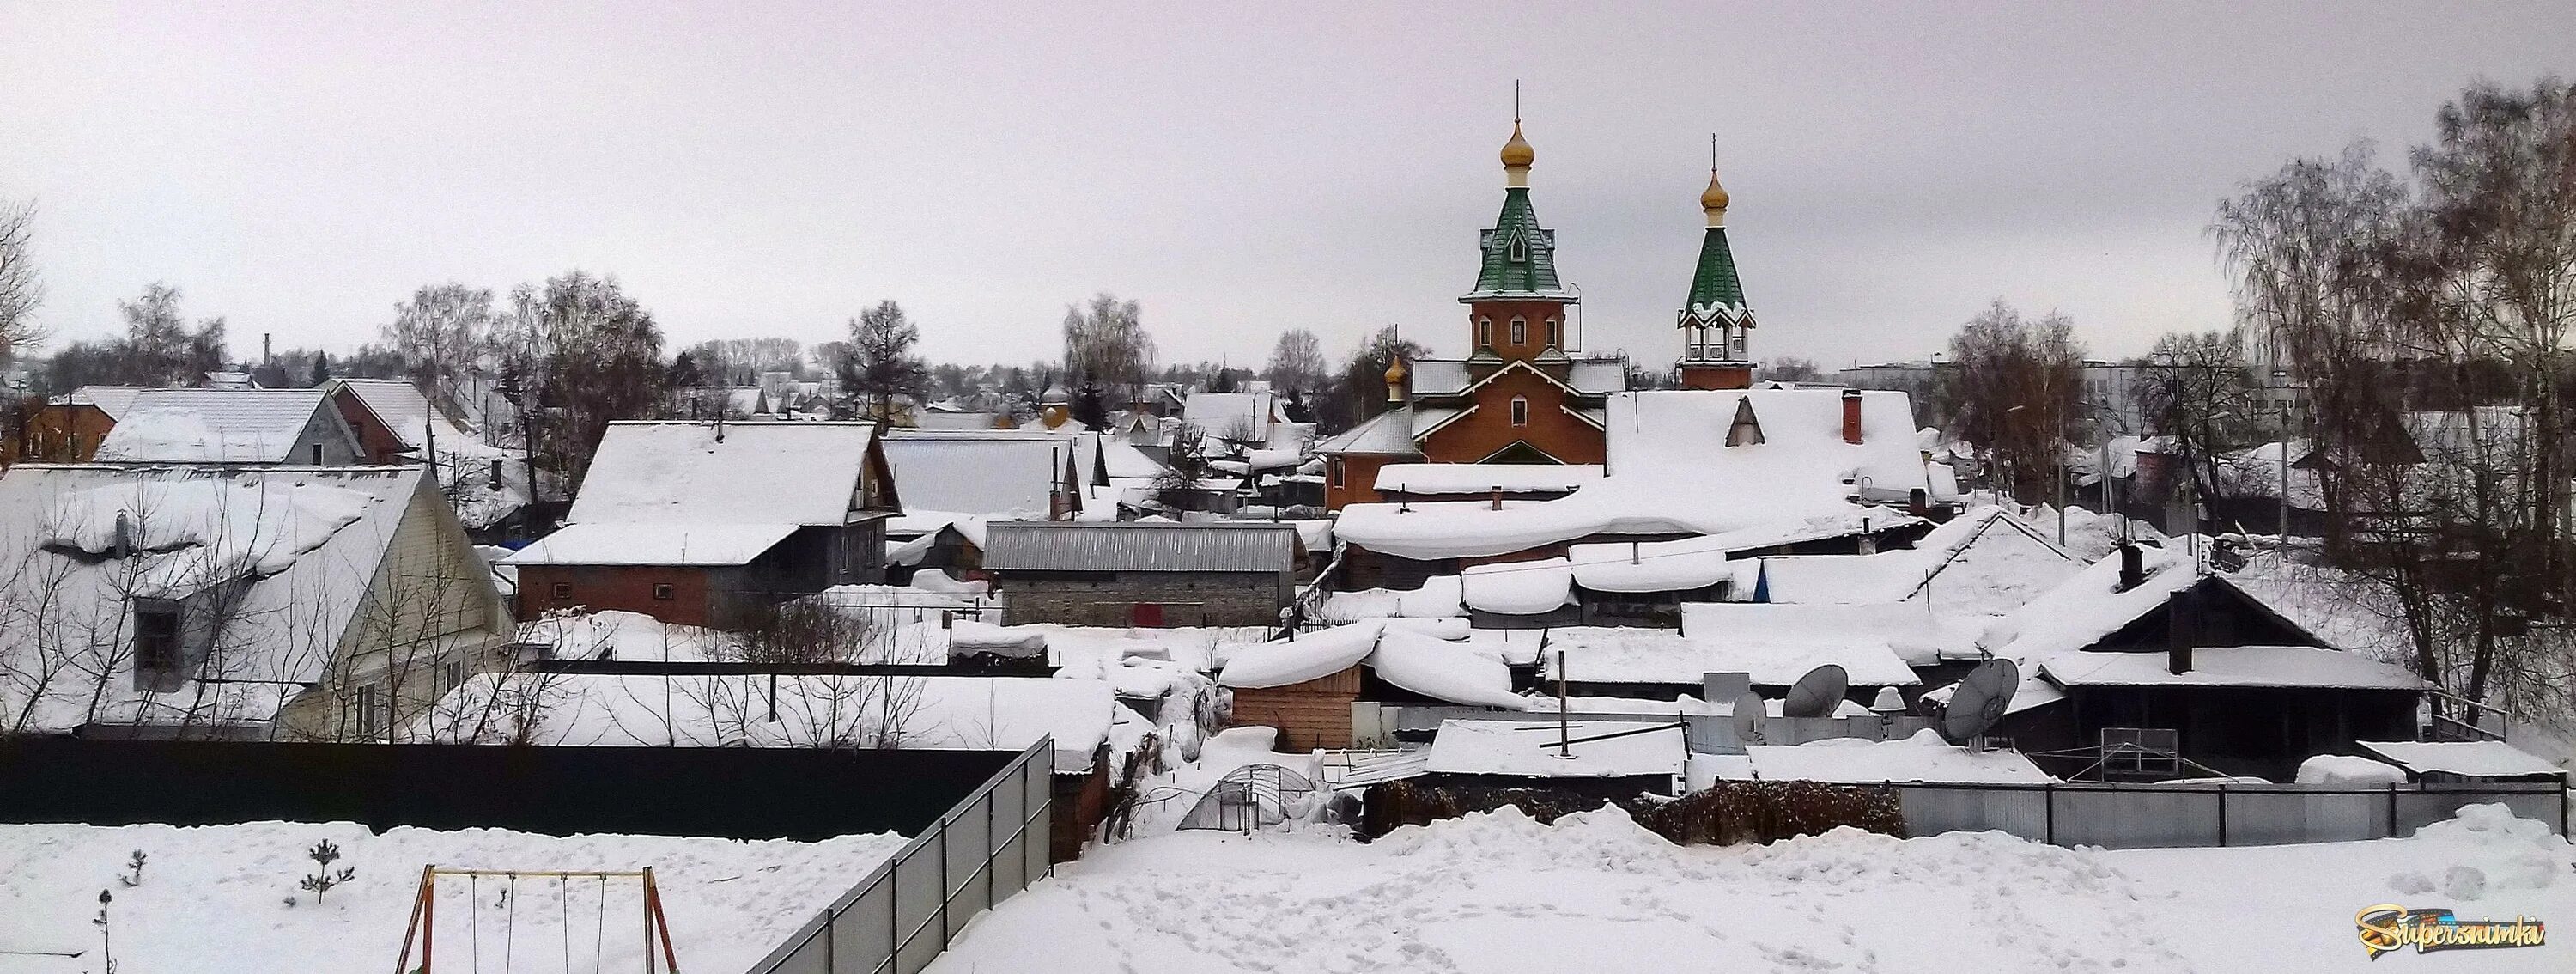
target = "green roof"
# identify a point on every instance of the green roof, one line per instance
(1715, 283)
(1520, 255)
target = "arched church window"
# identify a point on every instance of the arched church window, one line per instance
(1554, 340)
(1520, 331)
(1484, 333)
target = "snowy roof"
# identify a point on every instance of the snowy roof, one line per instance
(1390, 433)
(1629, 655)
(112, 400)
(1651, 566)
(307, 542)
(1478, 478)
(1529, 749)
(988, 472)
(1670, 471)
(1309, 656)
(1916, 636)
(2233, 666)
(2471, 759)
(1984, 562)
(729, 473)
(937, 713)
(2086, 608)
(211, 426)
(612, 543)
(1443, 670)
(1141, 546)
(1243, 417)
(1519, 588)
(1449, 377)
(404, 410)
(1922, 757)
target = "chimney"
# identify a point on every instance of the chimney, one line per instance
(1498, 498)
(2182, 628)
(124, 536)
(1851, 416)
(2133, 567)
(1725, 686)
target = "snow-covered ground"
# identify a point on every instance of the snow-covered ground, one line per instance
(1501, 893)
(213, 899)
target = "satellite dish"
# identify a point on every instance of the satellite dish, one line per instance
(1818, 693)
(1980, 699)
(1751, 717)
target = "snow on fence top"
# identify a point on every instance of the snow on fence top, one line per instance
(725, 473)
(2472, 759)
(1627, 655)
(2233, 666)
(939, 713)
(1529, 749)
(1922, 757)
(1478, 478)
(212, 426)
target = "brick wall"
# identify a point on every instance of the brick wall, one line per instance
(1550, 428)
(1105, 598)
(1358, 479)
(60, 434)
(624, 587)
(1533, 337)
(1309, 715)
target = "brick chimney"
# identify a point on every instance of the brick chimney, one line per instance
(2133, 568)
(1851, 416)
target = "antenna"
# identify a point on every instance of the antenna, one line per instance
(1818, 693)
(1980, 700)
(1750, 718)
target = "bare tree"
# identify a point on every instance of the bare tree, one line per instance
(1362, 392)
(21, 290)
(2018, 388)
(880, 363)
(1296, 364)
(2195, 390)
(1790, 368)
(1106, 346)
(440, 335)
(577, 354)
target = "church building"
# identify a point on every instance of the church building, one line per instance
(1519, 397)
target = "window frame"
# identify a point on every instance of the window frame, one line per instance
(1484, 332)
(159, 652)
(1555, 334)
(317, 454)
(665, 592)
(563, 590)
(1520, 331)
(364, 699)
(1520, 410)
(1333, 472)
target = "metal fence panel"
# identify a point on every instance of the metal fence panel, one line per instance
(2416, 809)
(862, 939)
(2136, 818)
(1009, 809)
(2267, 816)
(1932, 811)
(969, 858)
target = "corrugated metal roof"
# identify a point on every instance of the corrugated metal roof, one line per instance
(1140, 546)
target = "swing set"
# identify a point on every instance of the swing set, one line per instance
(422, 930)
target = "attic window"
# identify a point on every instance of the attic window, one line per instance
(1744, 431)
(156, 637)
(1519, 248)
(317, 454)
(1520, 411)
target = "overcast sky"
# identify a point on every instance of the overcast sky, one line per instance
(768, 169)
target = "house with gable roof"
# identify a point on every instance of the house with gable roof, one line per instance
(240, 601)
(700, 523)
(285, 426)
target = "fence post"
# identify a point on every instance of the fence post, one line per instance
(2562, 811)
(2392, 809)
(2222, 814)
(944, 893)
(2049, 805)
(993, 877)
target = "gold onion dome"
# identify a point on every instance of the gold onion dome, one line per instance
(1395, 372)
(1714, 198)
(1517, 152)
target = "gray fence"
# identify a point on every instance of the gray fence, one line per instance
(2121, 816)
(990, 846)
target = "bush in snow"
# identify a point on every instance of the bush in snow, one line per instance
(1728, 813)
(133, 876)
(323, 879)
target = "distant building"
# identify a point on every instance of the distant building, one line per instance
(703, 523)
(1143, 573)
(278, 426)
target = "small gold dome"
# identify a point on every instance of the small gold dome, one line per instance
(1395, 372)
(1714, 198)
(1517, 152)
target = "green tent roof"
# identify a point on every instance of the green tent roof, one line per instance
(1520, 255)
(1715, 283)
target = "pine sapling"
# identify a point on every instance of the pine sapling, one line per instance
(133, 876)
(324, 879)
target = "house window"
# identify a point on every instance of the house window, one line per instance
(368, 699)
(317, 454)
(1334, 467)
(455, 673)
(1484, 333)
(156, 637)
(1520, 411)
(1520, 331)
(662, 591)
(563, 590)
(1554, 340)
